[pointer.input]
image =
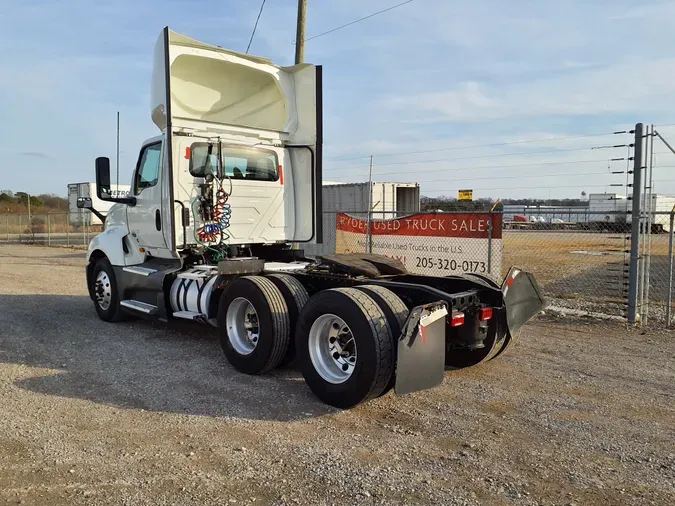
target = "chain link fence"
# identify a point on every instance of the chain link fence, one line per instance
(580, 262)
(53, 229)
(581, 259)
(655, 270)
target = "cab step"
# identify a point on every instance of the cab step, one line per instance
(141, 271)
(136, 306)
(190, 315)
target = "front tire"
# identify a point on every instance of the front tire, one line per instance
(253, 324)
(105, 293)
(344, 347)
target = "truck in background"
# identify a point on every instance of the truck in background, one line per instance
(603, 212)
(81, 217)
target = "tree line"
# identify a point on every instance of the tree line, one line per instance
(17, 203)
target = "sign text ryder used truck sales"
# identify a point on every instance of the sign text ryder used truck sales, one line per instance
(434, 244)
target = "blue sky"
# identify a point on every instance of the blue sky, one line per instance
(431, 75)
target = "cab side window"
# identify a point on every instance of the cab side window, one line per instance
(147, 172)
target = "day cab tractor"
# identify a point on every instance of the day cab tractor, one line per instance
(220, 202)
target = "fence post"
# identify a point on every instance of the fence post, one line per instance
(67, 229)
(651, 218)
(670, 268)
(7, 227)
(635, 227)
(489, 258)
(49, 229)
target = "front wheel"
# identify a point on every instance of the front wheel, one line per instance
(344, 347)
(105, 293)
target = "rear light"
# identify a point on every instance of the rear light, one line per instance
(188, 153)
(457, 320)
(485, 313)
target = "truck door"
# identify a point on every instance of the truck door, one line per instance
(145, 218)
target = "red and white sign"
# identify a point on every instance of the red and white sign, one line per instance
(433, 244)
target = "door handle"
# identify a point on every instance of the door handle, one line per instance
(158, 220)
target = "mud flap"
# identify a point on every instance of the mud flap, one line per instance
(421, 349)
(523, 298)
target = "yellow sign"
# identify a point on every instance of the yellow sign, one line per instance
(465, 195)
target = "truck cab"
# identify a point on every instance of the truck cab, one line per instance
(237, 120)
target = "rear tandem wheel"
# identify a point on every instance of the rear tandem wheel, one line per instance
(254, 325)
(344, 347)
(396, 312)
(296, 297)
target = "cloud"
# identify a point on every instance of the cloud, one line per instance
(35, 154)
(588, 92)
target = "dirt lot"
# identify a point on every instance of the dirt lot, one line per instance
(140, 413)
(554, 256)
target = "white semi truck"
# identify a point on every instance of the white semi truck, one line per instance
(217, 201)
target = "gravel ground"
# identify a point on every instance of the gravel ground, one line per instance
(139, 413)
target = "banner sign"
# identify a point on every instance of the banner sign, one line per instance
(432, 244)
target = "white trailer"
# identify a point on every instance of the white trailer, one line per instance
(81, 217)
(662, 206)
(607, 207)
(615, 208)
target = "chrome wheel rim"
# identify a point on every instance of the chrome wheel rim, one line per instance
(103, 290)
(243, 329)
(332, 348)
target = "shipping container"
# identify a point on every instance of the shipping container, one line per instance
(389, 200)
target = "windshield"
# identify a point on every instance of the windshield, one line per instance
(238, 162)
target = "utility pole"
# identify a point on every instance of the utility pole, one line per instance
(118, 151)
(369, 228)
(300, 32)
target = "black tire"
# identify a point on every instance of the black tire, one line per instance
(296, 297)
(113, 313)
(273, 324)
(373, 339)
(396, 313)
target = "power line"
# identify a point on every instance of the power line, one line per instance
(537, 187)
(409, 162)
(519, 176)
(358, 20)
(262, 6)
(510, 143)
(478, 167)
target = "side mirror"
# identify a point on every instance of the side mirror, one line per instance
(84, 203)
(103, 178)
(103, 183)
